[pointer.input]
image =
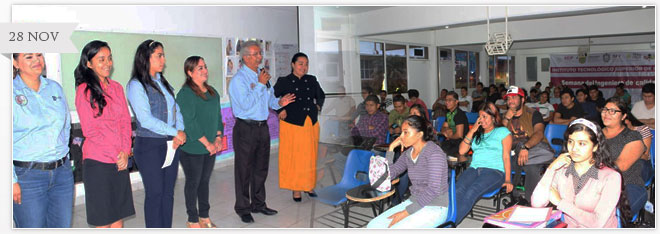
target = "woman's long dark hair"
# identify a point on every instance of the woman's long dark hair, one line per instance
(602, 159)
(633, 120)
(296, 56)
(141, 66)
(85, 75)
(420, 109)
(486, 108)
(188, 66)
(420, 124)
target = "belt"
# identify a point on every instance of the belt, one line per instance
(253, 122)
(42, 165)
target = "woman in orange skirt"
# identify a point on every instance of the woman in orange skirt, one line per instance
(299, 128)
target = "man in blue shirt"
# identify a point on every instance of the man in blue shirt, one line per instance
(251, 95)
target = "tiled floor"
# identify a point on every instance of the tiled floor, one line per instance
(291, 214)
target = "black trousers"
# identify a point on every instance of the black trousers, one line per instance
(251, 155)
(532, 176)
(197, 168)
(450, 146)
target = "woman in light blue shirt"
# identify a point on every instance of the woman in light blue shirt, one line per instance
(43, 179)
(159, 120)
(490, 168)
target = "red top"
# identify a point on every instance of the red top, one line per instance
(110, 133)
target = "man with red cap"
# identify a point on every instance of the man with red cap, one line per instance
(530, 147)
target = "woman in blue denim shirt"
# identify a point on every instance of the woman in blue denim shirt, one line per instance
(43, 179)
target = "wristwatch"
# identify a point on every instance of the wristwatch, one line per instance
(525, 147)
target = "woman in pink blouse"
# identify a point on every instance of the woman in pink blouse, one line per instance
(106, 126)
(582, 182)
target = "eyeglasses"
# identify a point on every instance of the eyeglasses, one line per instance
(610, 111)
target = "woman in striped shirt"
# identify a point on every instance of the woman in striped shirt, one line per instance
(427, 168)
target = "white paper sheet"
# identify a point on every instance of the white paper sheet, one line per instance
(529, 214)
(170, 155)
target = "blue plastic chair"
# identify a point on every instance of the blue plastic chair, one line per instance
(438, 126)
(495, 194)
(451, 209)
(555, 131)
(472, 117)
(357, 161)
(618, 218)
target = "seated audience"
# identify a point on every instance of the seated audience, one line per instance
(360, 110)
(545, 108)
(493, 94)
(385, 102)
(533, 94)
(455, 126)
(479, 96)
(633, 123)
(439, 107)
(596, 96)
(531, 148)
(396, 116)
(413, 95)
(589, 108)
(556, 96)
(371, 124)
(501, 102)
(465, 101)
(568, 110)
(427, 167)
(622, 94)
(644, 110)
(490, 167)
(626, 148)
(582, 182)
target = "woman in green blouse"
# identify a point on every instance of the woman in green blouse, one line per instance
(200, 108)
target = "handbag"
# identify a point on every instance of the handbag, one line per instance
(379, 174)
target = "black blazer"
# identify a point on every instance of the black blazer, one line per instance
(308, 94)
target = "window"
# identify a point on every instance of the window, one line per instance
(498, 70)
(467, 69)
(473, 68)
(461, 69)
(397, 68)
(377, 58)
(372, 64)
(418, 52)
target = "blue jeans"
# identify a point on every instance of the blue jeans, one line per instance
(427, 217)
(471, 185)
(46, 197)
(636, 197)
(158, 182)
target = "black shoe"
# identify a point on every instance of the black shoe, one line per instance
(311, 194)
(266, 211)
(297, 199)
(247, 218)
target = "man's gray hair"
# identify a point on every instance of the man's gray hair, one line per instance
(246, 45)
